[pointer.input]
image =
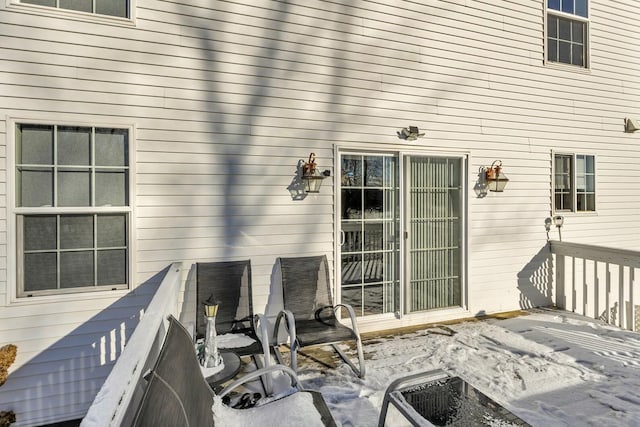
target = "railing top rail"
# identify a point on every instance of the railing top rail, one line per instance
(624, 257)
(110, 404)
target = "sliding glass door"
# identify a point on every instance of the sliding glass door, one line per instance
(401, 234)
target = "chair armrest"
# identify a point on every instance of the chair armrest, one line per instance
(352, 315)
(260, 372)
(291, 327)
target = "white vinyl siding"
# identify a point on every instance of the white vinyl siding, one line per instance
(228, 97)
(119, 8)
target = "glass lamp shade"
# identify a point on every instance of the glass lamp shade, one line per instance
(210, 310)
(497, 181)
(312, 183)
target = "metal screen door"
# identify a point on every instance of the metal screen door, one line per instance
(434, 233)
(370, 225)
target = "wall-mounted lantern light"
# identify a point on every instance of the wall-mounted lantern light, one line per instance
(311, 178)
(496, 179)
(410, 133)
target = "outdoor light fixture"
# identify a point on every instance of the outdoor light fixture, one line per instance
(631, 125)
(311, 178)
(410, 133)
(496, 179)
(558, 221)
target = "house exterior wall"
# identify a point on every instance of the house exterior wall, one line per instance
(226, 97)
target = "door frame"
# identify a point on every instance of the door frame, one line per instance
(400, 318)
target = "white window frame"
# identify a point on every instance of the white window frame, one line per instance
(74, 14)
(574, 187)
(16, 295)
(587, 37)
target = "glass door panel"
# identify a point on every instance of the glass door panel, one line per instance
(434, 223)
(369, 228)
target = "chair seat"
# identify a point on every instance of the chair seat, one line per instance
(312, 332)
(248, 350)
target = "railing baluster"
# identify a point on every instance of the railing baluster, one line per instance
(618, 308)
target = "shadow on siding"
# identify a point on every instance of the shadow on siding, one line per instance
(59, 384)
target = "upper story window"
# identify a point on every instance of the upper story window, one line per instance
(118, 8)
(574, 183)
(72, 210)
(567, 31)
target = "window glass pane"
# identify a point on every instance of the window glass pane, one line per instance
(590, 183)
(567, 6)
(112, 231)
(581, 8)
(39, 232)
(74, 188)
(552, 26)
(564, 29)
(34, 187)
(112, 147)
(373, 299)
(40, 271)
(577, 32)
(373, 171)
(51, 3)
(74, 146)
(591, 202)
(564, 54)
(76, 269)
(112, 7)
(351, 171)
(34, 144)
(373, 204)
(552, 50)
(553, 4)
(580, 165)
(76, 231)
(576, 55)
(590, 164)
(81, 5)
(111, 188)
(112, 267)
(351, 204)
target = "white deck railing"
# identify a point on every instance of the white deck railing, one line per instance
(598, 282)
(111, 402)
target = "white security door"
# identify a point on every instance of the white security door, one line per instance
(434, 224)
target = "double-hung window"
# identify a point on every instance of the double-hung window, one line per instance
(574, 183)
(567, 31)
(72, 210)
(119, 8)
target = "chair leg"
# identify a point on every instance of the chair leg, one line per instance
(358, 371)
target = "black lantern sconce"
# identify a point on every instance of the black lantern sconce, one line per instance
(311, 178)
(496, 179)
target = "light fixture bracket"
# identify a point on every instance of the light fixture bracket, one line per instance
(410, 133)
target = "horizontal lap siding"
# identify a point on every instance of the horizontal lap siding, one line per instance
(228, 96)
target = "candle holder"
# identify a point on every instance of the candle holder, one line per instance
(212, 357)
